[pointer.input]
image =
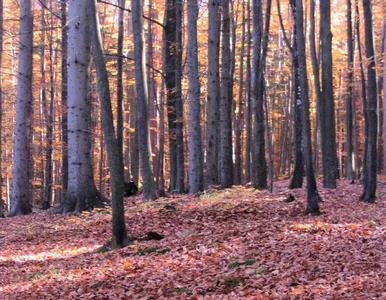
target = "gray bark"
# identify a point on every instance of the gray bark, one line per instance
(195, 144)
(370, 172)
(384, 93)
(20, 202)
(248, 103)
(312, 191)
(64, 94)
(121, 3)
(142, 102)
(226, 151)
(213, 94)
(114, 152)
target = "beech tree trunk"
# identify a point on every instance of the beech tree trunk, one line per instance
(350, 173)
(259, 160)
(213, 94)
(226, 160)
(20, 201)
(114, 151)
(195, 144)
(370, 172)
(142, 102)
(312, 191)
(327, 110)
(248, 102)
(81, 193)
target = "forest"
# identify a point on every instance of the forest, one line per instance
(192, 149)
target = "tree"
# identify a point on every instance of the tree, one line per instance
(213, 95)
(20, 201)
(350, 173)
(259, 160)
(195, 146)
(142, 102)
(226, 160)
(81, 193)
(327, 110)
(1, 103)
(114, 151)
(121, 4)
(370, 171)
(312, 191)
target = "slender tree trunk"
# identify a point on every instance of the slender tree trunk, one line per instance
(121, 3)
(142, 102)
(20, 202)
(370, 174)
(238, 125)
(259, 160)
(212, 111)
(170, 72)
(327, 110)
(384, 91)
(350, 173)
(312, 190)
(114, 151)
(180, 180)
(226, 160)
(248, 104)
(195, 146)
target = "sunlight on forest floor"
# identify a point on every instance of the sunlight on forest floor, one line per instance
(232, 244)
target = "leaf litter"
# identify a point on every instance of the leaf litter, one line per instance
(238, 243)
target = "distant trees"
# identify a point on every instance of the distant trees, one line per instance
(20, 200)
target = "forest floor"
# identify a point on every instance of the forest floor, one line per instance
(237, 243)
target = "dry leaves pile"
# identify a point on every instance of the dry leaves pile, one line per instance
(232, 244)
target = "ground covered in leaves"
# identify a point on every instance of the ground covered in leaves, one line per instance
(232, 244)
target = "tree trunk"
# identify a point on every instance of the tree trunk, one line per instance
(81, 193)
(370, 174)
(312, 191)
(180, 180)
(114, 151)
(142, 102)
(213, 97)
(350, 173)
(226, 160)
(170, 72)
(384, 92)
(327, 110)
(259, 160)
(195, 147)
(121, 4)
(248, 104)
(20, 202)
(64, 98)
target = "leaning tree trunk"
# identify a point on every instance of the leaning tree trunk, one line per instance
(213, 95)
(142, 102)
(327, 110)
(350, 173)
(81, 193)
(370, 172)
(312, 190)
(196, 183)
(114, 150)
(20, 202)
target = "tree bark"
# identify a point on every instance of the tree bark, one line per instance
(226, 160)
(114, 151)
(195, 146)
(20, 202)
(213, 94)
(327, 110)
(370, 174)
(142, 102)
(350, 173)
(121, 4)
(312, 191)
